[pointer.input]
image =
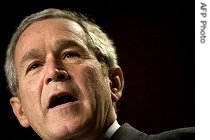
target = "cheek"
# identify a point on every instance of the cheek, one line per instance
(30, 87)
(97, 86)
(30, 97)
(30, 90)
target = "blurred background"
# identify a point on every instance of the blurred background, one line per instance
(155, 43)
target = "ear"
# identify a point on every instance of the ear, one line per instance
(116, 83)
(18, 111)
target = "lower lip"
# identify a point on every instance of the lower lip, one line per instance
(66, 105)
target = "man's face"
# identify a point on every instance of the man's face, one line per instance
(58, 104)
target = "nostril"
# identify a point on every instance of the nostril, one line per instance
(49, 80)
(57, 75)
(61, 76)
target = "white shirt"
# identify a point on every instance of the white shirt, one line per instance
(110, 131)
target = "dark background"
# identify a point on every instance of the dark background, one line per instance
(155, 43)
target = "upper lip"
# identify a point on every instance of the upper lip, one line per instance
(61, 97)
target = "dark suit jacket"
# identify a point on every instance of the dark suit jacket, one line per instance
(127, 132)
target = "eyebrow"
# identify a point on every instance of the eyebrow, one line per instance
(71, 44)
(32, 54)
(61, 44)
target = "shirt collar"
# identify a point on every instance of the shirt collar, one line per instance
(110, 131)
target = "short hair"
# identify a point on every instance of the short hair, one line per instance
(98, 41)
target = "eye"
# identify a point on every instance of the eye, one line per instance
(33, 66)
(70, 54)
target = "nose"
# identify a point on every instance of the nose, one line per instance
(57, 75)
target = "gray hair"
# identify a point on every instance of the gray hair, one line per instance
(98, 41)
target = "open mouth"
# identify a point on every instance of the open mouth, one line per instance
(61, 100)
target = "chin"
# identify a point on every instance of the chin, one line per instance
(64, 130)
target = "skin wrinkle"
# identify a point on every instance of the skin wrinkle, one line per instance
(46, 48)
(63, 72)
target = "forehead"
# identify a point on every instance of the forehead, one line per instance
(50, 28)
(47, 32)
